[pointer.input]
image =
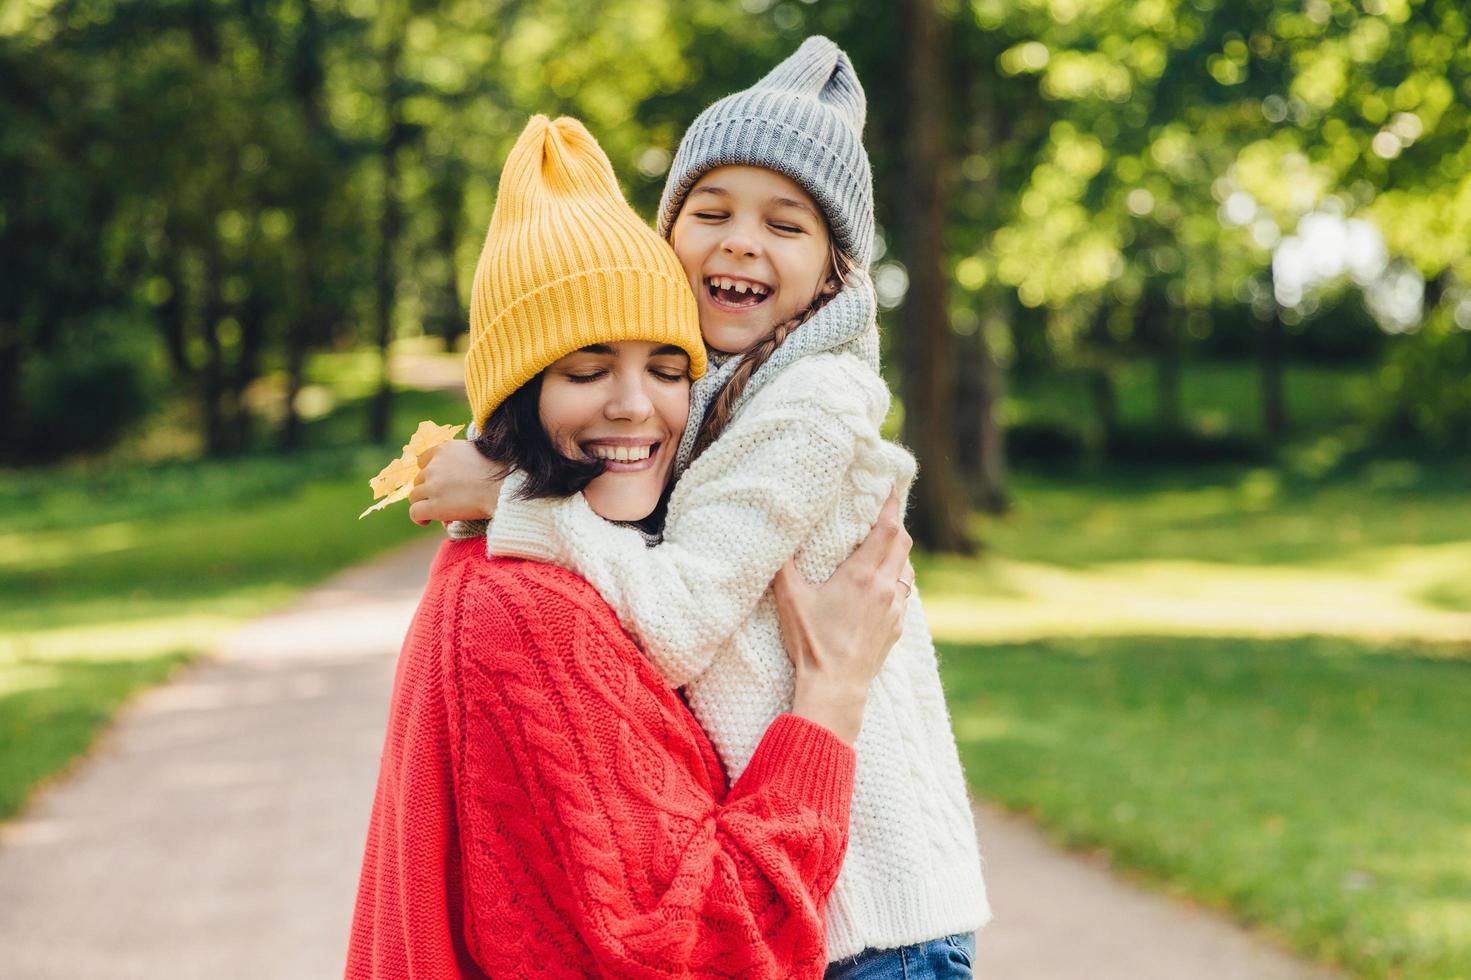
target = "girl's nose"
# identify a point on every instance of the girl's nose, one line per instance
(739, 243)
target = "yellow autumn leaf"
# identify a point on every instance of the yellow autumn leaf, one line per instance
(395, 474)
(396, 480)
(428, 435)
(392, 498)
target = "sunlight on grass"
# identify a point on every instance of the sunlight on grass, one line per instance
(1318, 787)
(37, 551)
(1373, 593)
(1380, 553)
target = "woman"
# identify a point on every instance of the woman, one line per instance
(546, 803)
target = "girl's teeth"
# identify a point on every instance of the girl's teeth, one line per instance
(740, 287)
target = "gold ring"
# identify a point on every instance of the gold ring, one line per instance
(908, 586)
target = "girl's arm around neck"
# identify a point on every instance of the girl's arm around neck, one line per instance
(740, 511)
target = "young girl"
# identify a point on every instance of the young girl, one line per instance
(769, 208)
(547, 804)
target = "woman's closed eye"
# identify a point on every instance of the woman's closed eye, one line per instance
(587, 377)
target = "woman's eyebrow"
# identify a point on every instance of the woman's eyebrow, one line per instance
(595, 349)
(668, 349)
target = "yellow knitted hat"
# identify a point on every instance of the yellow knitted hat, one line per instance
(567, 263)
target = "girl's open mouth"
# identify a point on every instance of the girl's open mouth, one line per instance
(736, 294)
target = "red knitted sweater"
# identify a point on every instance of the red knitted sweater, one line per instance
(548, 806)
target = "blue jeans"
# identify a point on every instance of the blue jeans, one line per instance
(939, 959)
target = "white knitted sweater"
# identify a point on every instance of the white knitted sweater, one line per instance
(801, 469)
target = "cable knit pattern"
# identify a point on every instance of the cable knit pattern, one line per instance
(802, 469)
(548, 806)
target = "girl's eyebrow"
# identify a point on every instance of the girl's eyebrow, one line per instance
(788, 202)
(785, 202)
(668, 349)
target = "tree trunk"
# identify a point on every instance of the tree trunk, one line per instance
(173, 317)
(1159, 323)
(992, 490)
(386, 272)
(253, 313)
(450, 318)
(307, 79)
(10, 360)
(1101, 388)
(1273, 381)
(939, 516)
(980, 370)
(212, 377)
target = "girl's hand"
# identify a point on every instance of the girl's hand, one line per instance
(839, 634)
(455, 483)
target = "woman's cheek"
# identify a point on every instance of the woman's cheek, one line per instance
(675, 407)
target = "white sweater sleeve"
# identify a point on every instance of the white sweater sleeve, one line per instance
(740, 511)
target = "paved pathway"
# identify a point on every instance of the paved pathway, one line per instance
(215, 832)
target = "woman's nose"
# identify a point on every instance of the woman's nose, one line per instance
(630, 401)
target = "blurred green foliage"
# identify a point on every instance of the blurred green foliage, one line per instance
(1122, 176)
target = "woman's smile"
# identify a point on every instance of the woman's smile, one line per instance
(625, 454)
(623, 404)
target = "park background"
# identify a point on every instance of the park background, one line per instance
(1176, 303)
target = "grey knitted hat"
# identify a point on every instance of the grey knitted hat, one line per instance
(804, 120)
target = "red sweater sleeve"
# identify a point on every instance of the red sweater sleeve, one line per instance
(582, 778)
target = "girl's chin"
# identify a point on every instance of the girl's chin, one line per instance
(733, 338)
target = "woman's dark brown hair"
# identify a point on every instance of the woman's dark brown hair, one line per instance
(515, 439)
(840, 266)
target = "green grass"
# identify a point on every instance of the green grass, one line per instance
(1129, 662)
(1319, 789)
(1373, 548)
(111, 575)
(1215, 397)
(1233, 515)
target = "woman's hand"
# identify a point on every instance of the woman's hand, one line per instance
(838, 634)
(455, 483)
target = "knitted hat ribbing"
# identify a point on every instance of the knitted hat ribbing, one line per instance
(567, 263)
(804, 120)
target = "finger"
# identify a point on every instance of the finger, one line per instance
(419, 513)
(896, 557)
(788, 580)
(872, 550)
(427, 455)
